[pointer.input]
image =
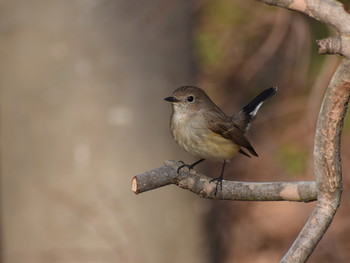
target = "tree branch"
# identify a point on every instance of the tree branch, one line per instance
(231, 190)
(330, 123)
(327, 163)
(331, 12)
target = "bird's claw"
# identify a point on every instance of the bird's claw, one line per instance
(218, 182)
(189, 166)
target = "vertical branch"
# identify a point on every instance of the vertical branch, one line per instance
(327, 160)
(327, 164)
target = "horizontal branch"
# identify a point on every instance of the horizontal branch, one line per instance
(231, 190)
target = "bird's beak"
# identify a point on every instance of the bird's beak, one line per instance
(171, 99)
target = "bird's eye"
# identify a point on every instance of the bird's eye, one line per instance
(190, 99)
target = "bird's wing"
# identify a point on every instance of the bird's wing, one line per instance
(231, 132)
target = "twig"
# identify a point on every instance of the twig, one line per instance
(231, 190)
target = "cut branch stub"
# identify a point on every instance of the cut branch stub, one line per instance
(335, 45)
(331, 45)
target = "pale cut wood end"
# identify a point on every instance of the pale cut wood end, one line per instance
(134, 185)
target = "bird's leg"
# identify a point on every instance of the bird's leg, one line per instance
(219, 179)
(190, 166)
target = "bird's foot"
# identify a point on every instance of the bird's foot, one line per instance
(189, 166)
(218, 183)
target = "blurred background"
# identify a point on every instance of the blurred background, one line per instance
(82, 112)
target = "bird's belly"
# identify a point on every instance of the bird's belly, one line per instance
(204, 143)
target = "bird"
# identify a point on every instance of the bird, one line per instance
(200, 127)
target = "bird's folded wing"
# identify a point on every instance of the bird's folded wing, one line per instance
(231, 132)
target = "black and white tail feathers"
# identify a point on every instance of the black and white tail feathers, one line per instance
(246, 115)
(252, 107)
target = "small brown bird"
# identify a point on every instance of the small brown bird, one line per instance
(204, 130)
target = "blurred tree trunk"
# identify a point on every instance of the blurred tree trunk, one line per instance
(82, 84)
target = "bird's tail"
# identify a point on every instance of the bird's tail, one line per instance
(246, 115)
